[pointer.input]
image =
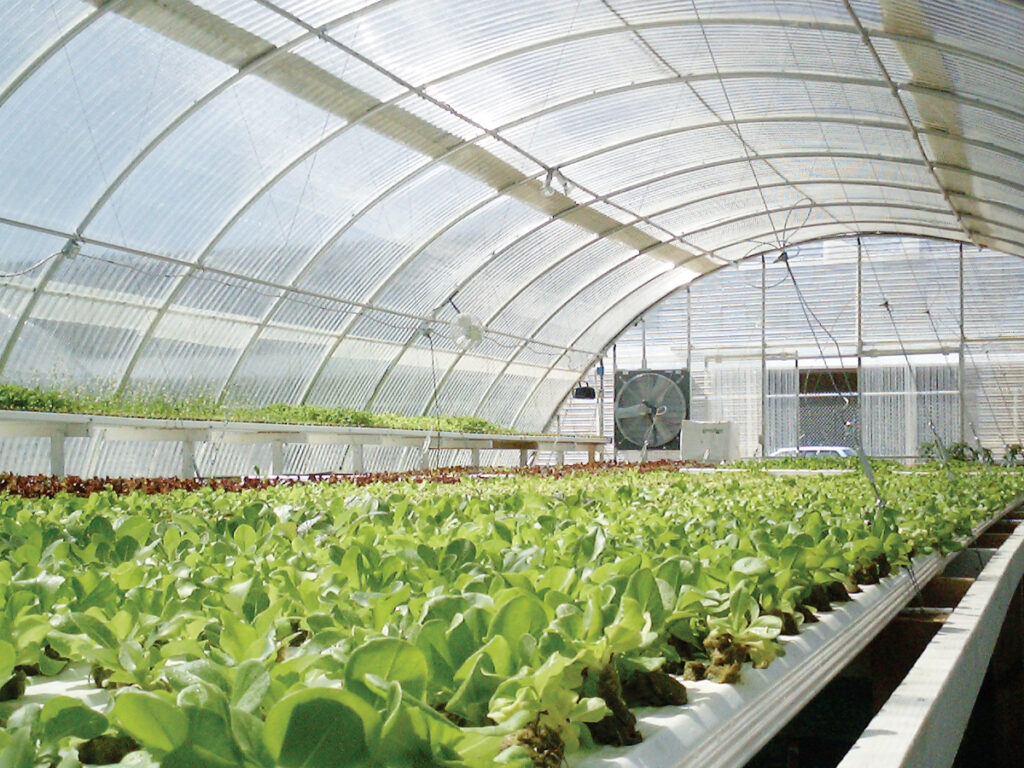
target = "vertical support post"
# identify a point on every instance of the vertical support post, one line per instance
(860, 344)
(523, 456)
(188, 462)
(796, 363)
(57, 454)
(277, 457)
(474, 457)
(615, 369)
(356, 451)
(643, 341)
(764, 358)
(96, 439)
(590, 454)
(962, 373)
(689, 356)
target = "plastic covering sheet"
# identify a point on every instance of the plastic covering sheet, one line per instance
(602, 293)
(272, 200)
(65, 131)
(444, 36)
(526, 311)
(541, 79)
(291, 356)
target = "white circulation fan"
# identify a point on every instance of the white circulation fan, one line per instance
(649, 409)
(466, 330)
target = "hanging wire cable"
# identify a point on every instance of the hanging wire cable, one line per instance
(33, 268)
(732, 115)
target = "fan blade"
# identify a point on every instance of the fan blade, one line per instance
(632, 411)
(660, 386)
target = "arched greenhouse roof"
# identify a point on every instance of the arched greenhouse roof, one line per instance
(269, 200)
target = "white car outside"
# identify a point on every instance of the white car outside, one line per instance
(814, 451)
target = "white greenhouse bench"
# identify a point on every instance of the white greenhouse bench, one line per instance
(57, 427)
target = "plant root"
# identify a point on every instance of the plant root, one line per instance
(106, 750)
(618, 728)
(837, 592)
(694, 671)
(653, 689)
(789, 625)
(544, 745)
(727, 657)
(14, 688)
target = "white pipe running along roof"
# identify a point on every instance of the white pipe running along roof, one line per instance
(268, 199)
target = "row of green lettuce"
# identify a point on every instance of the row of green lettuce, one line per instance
(422, 625)
(14, 397)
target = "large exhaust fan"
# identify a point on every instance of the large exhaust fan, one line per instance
(649, 409)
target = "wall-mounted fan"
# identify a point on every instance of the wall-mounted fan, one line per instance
(649, 409)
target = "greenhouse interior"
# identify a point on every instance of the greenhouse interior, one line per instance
(527, 383)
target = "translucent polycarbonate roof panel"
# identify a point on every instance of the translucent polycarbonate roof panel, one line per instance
(382, 239)
(31, 26)
(442, 268)
(295, 198)
(524, 311)
(276, 367)
(305, 210)
(518, 263)
(209, 166)
(322, 12)
(444, 36)
(602, 294)
(517, 86)
(67, 130)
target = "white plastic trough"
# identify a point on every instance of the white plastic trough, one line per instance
(922, 723)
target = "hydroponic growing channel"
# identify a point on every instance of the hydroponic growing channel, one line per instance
(510, 620)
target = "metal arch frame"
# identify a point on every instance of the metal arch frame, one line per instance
(253, 65)
(610, 307)
(554, 314)
(938, 190)
(562, 259)
(551, 315)
(711, 22)
(634, 317)
(721, 21)
(604, 198)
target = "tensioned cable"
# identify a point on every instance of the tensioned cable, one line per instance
(911, 371)
(732, 115)
(808, 314)
(807, 310)
(731, 128)
(446, 107)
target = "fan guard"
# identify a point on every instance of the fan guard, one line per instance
(649, 409)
